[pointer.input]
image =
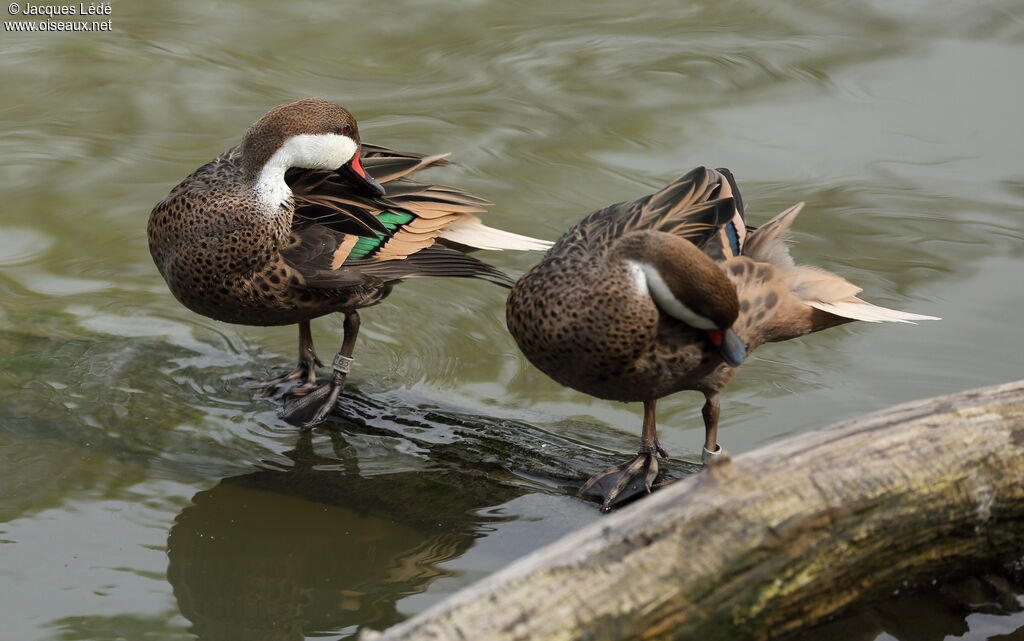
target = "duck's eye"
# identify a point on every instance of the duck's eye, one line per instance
(344, 130)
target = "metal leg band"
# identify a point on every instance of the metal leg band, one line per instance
(341, 363)
(706, 456)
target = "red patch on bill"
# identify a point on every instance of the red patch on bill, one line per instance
(357, 166)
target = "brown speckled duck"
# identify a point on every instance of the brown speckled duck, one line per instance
(669, 292)
(302, 220)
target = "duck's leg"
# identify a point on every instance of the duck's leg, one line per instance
(313, 408)
(304, 373)
(626, 481)
(710, 414)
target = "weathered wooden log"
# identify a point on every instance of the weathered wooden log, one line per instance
(776, 539)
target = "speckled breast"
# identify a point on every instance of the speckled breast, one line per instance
(588, 328)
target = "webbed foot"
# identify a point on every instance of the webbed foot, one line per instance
(312, 407)
(624, 482)
(298, 382)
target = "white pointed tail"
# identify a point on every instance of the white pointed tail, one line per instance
(470, 231)
(858, 309)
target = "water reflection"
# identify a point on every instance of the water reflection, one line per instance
(973, 609)
(280, 554)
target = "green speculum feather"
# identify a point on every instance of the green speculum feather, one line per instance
(390, 219)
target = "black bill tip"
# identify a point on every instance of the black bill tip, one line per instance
(354, 170)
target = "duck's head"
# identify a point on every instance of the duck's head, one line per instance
(706, 302)
(687, 285)
(311, 133)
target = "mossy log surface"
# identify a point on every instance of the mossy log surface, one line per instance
(774, 540)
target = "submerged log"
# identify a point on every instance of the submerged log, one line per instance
(501, 449)
(774, 540)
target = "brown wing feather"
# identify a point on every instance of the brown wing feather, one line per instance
(692, 207)
(436, 260)
(335, 201)
(332, 213)
(387, 166)
(311, 253)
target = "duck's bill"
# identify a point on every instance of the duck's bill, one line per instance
(354, 170)
(730, 347)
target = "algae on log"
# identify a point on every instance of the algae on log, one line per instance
(774, 540)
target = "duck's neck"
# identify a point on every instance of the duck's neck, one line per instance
(272, 192)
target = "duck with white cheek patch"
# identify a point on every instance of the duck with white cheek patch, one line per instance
(670, 292)
(301, 220)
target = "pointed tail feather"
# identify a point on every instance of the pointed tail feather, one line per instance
(861, 310)
(834, 294)
(469, 231)
(817, 287)
(767, 243)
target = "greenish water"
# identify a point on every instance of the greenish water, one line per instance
(146, 495)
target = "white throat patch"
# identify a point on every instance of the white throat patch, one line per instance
(309, 151)
(649, 281)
